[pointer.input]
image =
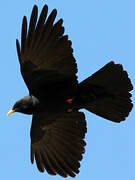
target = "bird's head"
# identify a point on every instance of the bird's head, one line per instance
(25, 105)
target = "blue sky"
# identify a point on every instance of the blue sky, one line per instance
(101, 31)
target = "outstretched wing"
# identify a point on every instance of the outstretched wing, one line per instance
(57, 142)
(45, 55)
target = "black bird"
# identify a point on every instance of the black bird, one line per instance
(55, 97)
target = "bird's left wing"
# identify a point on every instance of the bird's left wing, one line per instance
(57, 142)
(45, 55)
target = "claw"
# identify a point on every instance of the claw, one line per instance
(69, 100)
(69, 110)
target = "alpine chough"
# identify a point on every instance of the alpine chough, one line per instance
(55, 97)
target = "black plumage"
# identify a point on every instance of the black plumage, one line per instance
(55, 96)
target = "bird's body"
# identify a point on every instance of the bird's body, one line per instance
(55, 97)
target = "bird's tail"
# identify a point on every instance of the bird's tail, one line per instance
(106, 93)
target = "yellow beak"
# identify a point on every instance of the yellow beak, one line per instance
(10, 112)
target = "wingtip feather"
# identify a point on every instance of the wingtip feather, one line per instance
(18, 49)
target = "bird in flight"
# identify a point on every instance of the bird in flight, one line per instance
(55, 98)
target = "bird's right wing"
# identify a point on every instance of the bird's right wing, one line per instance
(57, 142)
(45, 54)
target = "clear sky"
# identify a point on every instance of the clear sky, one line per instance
(101, 31)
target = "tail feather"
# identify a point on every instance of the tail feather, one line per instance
(110, 87)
